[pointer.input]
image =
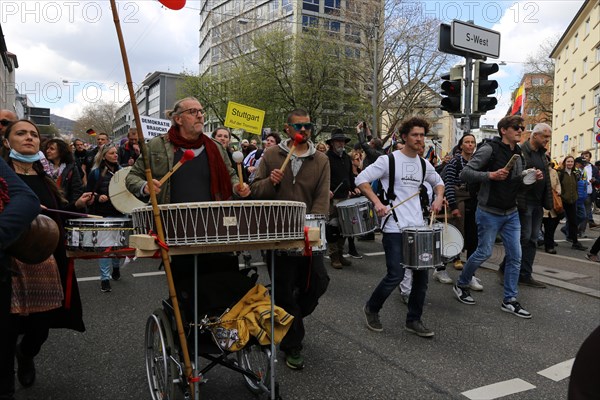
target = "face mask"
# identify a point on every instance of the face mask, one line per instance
(24, 158)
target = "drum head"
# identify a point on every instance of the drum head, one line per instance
(120, 197)
(452, 241)
(352, 202)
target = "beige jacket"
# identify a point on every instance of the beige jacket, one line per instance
(555, 184)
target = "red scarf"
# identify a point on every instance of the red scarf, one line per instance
(220, 181)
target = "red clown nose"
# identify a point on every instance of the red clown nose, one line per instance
(173, 4)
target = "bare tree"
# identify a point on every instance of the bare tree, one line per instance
(541, 65)
(99, 116)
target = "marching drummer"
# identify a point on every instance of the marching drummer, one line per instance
(300, 281)
(409, 172)
(208, 176)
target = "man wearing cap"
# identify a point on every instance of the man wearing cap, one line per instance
(6, 117)
(532, 200)
(341, 187)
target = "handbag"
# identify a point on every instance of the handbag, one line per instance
(35, 287)
(558, 205)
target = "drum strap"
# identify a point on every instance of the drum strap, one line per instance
(390, 195)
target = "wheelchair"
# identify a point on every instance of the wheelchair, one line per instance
(164, 357)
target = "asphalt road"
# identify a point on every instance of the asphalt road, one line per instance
(474, 346)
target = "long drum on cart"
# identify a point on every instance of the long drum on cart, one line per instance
(98, 235)
(356, 216)
(225, 222)
(422, 247)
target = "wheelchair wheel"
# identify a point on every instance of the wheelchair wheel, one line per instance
(161, 371)
(256, 359)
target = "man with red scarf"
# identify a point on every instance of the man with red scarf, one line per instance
(206, 177)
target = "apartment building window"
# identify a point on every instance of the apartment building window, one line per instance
(333, 6)
(574, 76)
(566, 53)
(286, 6)
(576, 42)
(308, 21)
(333, 27)
(557, 90)
(565, 86)
(352, 52)
(557, 62)
(532, 112)
(598, 53)
(583, 104)
(352, 33)
(584, 67)
(572, 110)
(564, 117)
(310, 5)
(273, 6)
(597, 97)
(586, 28)
(580, 145)
(153, 89)
(529, 127)
(537, 81)
(214, 54)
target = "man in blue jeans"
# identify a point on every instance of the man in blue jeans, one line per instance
(532, 200)
(497, 210)
(409, 171)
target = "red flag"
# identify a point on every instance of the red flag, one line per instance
(173, 4)
(518, 103)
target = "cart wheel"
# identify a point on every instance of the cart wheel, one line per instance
(161, 371)
(256, 359)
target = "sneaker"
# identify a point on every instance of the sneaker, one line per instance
(550, 251)
(116, 274)
(442, 276)
(463, 295)
(294, 360)
(458, 265)
(373, 322)
(336, 264)
(105, 286)
(475, 284)
(514, 307)
(418, 329)
(592, 257)
(345, 262)
(529, 281)
(354, 254)
(578, 246)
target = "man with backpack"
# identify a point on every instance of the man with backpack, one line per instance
(497, 210)
(405, 181)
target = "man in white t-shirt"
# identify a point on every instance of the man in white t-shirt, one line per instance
(408, 176)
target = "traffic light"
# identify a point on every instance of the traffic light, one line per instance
(483, 87)
(452, 87)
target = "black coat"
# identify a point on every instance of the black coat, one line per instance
(341, 174)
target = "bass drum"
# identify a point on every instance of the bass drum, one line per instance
(120, 197)
(452, 241)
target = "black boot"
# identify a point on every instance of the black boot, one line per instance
(26, 369)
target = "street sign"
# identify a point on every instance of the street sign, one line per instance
(596, 124)
(445, 47)
(475, 39)
(598, 138)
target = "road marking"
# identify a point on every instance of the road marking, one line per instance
(497, 390)
(89, 278)
(559, 371)
(140, 274)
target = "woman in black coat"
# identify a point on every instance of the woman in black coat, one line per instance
(63, 169)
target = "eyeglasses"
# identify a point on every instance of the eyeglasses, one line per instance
(517, 127)
(193, 111)
(5, 122)
(307, 126)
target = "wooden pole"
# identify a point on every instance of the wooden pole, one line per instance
(155, 210)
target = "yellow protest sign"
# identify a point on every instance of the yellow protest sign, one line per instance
(240, 116)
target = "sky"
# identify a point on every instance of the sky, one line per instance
(69, 55)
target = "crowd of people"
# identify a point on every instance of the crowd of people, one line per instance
(497, 190)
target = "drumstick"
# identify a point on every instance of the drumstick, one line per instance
(297, 139)
(187, 155)
(432, 218)
(338, 186)
(238, 157)
(404, 201)
(76, 214)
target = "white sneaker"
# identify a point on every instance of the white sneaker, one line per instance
(442, 276)
(475, 284)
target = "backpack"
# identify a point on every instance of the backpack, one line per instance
(389, 195)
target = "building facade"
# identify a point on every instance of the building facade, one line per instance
(155, 95)
(7, 77)
(577, 84)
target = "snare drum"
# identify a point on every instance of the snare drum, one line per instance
(225, 222)
(422, 247)
(356, 216)
(313, 221)
(96, 235)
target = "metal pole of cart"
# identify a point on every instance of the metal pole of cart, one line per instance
(273, 349)
(196, 365)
